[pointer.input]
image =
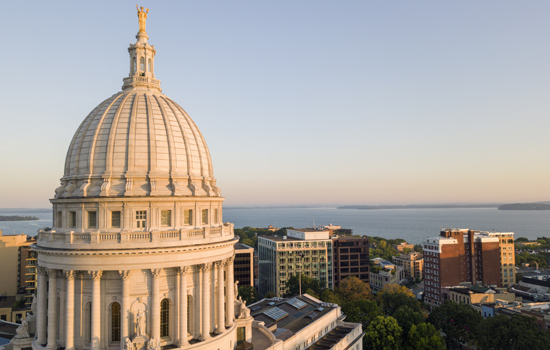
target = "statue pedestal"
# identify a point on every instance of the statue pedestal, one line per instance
(21, 343)
(140, 342)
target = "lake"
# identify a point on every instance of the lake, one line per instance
(413, 225)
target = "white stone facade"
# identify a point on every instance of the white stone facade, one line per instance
(138, 256)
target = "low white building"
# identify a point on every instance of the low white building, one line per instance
(300, 323)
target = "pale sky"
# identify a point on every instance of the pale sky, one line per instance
(300, 102)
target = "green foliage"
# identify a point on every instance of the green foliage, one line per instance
(383, 333)
(459, 323)
(531, 259)
(362, 311)
(418, 248)
(18, 305)
(509, 333)
(407, 317)
(329, 296)
(270, 295)
(424, 336)
(312, 293)
(383, 248)
(248, 294)
(522, 239)
(394, 296)
(352, 288)
(249, 235)
(293, 286)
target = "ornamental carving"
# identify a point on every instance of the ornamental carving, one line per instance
(156, 272)
(69, 274)
(125, 274)
(95, 275)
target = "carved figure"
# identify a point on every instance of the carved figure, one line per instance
(236, 290)
(153, 344)
(140, 323)
(128, 344)
(23, 330)
(33, 305)
(244, 312)
(142, 15)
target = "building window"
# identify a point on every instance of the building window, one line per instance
(215, 216)
(190, 314)
(205, 216)
(115, 219)
(92, 219)
(89, 328)
(149, 65)
(165, 218)
(188, 217)
(141, 218)
(59, 219)
(115, 322)
(142, 64)
(134, 65)
(241, 335)
(72, 219)
(165, 318)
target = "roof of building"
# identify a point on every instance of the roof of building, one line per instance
(536, 281)
(289, 315)
(241, 246)
(7, 331)
(331, 338)
(291, 239)
(7, 301)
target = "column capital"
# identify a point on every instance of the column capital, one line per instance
(156, 272)
(69, 274)
(184, 270)
(219, 264)
(41, 270)
(51, 273)
(205, 267)
(125, 274)
(229, 261)
(96, 275)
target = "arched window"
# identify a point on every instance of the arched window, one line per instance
(142, 64)
(165, 318)
(134, 65)
(115, 322)
(149, 65)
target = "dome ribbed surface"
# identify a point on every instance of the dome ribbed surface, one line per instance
(138, 143)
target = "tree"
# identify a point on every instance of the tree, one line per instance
(352, 288)
(508, 333)
(459, 322)
(293, 286)
(248, 294)
(407, 317)
(328, 296)
(270, 295)
(362, 311)
(424, 336)
(383, 333)
(393, 296)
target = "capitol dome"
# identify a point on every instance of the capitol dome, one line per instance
(138, 142)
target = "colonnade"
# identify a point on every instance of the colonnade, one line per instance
(48, 327)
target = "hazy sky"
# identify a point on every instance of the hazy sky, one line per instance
(300, 102)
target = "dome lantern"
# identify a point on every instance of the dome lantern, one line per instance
(142, 60)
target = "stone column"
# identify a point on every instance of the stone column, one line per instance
(69, 311)
(125, 307)
(205, 269)
(221, 304)
(52, 309)
(183, 306)
(230, 285)
(96, 309)
(155, 305)
(42, 302)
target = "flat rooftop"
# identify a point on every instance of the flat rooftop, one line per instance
(285, 317)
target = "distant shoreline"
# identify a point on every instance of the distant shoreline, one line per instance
(421, 206)
(18, 218)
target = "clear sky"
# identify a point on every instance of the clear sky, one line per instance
(300, 102)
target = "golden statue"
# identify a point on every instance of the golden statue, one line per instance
(142, 15)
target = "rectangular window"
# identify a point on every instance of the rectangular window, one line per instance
(205, 216)
(165, 218)
(59, 219)
(215, 216)
(188, 217)
(141, 218)
(72, 219)
(92, 219)
(115, 219)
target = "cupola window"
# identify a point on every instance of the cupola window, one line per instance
(142, 64)
(149, 65)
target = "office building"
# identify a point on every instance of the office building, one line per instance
(308, 251)
(412, 264)
(457, 256)
(384, 273)
(244, 265)
(351, 258)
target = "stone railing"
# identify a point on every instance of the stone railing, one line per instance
(163, 238)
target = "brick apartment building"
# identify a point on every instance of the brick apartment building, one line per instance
(457, 256)
(351, 258)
